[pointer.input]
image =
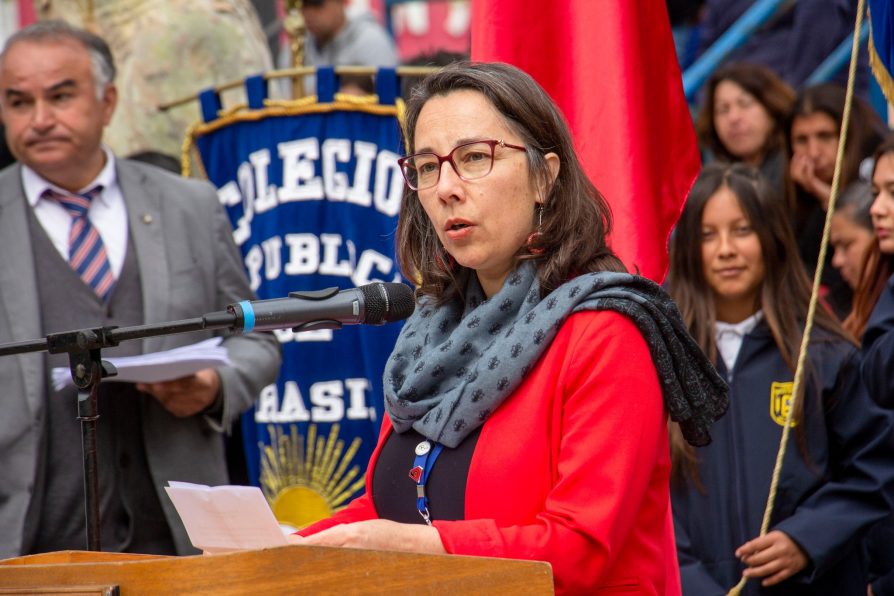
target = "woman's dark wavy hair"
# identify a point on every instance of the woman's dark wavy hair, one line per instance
(865, 131)
(785, 292)
(576, 218)
(769, 90)
(877, 268)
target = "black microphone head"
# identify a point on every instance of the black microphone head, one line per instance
(387, 302)
(402, 301)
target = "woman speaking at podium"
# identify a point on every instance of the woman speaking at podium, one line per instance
(527, 397)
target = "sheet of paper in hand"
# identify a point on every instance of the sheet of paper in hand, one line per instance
(221, 519)
(156, 367)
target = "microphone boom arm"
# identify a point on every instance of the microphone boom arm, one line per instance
(323, 309)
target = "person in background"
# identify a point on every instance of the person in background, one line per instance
(526, 326)
(742, 118)
(875, 282)
(872, 320)
(813, 128)
(851, 233)
(92, 240)
(335, 38)
(736, 276)
(237, 466)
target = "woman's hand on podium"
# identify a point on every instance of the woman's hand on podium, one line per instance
(377, 534)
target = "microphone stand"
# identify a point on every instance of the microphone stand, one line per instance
(84, 347)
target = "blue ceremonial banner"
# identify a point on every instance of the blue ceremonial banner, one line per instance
(313, 190)
(881, 44)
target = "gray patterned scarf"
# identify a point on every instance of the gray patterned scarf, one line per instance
(454, 364)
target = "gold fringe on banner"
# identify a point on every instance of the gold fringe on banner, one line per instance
(880, 71)
(290, 107)
(280, 107)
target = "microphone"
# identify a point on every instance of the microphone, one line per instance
(372, 304)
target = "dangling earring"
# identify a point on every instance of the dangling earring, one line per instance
(535, 236)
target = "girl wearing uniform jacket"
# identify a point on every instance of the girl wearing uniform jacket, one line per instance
(873, 316)
(872, 320)
(743, 292)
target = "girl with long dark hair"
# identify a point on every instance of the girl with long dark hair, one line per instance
(872, 321)
(736, 276)
(813, 129)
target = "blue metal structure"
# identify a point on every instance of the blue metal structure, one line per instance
(696, 75)
(839, 57)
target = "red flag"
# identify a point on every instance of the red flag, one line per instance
(611, 67)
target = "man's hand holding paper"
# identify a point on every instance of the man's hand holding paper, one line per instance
(188, 395)
(159, 367)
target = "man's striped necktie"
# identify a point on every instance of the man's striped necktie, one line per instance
(86, 252)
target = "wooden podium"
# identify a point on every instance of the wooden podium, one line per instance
(284, 570)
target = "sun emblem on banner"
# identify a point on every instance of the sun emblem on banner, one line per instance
(307, 479)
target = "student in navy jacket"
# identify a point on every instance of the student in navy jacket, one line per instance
(872, 320)
(743, 292)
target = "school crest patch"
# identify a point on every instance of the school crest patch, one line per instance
(781, 402)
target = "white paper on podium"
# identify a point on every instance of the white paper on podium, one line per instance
(221, 519)
(159, 366)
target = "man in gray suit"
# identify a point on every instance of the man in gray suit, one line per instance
(89, 240)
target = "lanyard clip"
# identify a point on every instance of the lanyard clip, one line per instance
(426, 454)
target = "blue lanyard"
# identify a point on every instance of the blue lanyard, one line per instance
(426, 456)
